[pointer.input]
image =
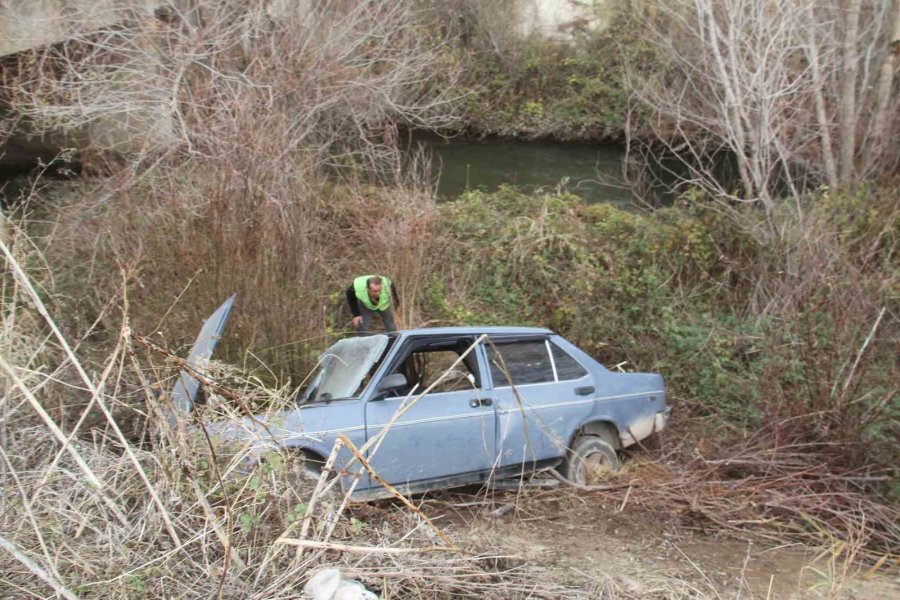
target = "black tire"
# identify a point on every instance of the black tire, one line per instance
(304, 471)
(311, 463)
(588, 459)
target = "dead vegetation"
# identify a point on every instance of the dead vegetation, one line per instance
(797, 94)
(95, 514)
(277, 125)
(263, 188)
(100, 512)
(780, 493)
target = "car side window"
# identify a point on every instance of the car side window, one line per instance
(426, 366)
(434, 366)
(527, 362)
(567, 368)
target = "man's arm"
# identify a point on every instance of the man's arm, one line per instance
(352, 301)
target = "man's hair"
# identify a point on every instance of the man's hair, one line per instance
(373, 281)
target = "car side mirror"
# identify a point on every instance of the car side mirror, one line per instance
(392, 382)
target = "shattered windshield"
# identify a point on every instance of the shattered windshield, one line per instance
(344, 366)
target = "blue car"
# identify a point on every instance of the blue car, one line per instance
(455, 406)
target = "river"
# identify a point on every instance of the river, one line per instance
(592, 171)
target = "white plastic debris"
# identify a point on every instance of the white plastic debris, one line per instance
(353, 590)
(328, 584)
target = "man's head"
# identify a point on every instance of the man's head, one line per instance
(374, 286)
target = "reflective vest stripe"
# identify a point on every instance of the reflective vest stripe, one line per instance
(361, 289)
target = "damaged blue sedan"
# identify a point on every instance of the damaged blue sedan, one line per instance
(460, 405)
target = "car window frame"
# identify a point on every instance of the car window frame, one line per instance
(390, 362)
(550, 344)
(500, 340)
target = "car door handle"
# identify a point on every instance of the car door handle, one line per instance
(476, 402)
(585, 391)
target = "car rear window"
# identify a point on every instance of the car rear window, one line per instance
(567, 368)
(527, 362)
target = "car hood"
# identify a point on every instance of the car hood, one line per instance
(185, 390)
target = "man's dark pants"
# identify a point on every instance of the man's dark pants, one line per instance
(387, 317)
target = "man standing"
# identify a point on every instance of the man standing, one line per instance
(371, 294)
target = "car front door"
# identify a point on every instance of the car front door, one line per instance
(447, 435)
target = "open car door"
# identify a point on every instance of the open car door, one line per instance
(185, 390)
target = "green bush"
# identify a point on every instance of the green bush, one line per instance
(602, 276)
(762, 335)
(543, 88)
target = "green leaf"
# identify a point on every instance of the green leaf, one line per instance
(357, 525)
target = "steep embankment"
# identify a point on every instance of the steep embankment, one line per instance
(544, 86)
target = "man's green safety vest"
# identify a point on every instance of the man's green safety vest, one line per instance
(361, 287)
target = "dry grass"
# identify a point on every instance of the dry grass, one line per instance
(97, 513)
(92, 513)
(188, 241)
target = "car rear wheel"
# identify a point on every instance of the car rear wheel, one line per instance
(590, 461)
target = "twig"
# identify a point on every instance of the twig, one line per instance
(314, 499)
(625, 500)
(391, 489)
(357, 549)
(194, 371)
(862, 349)
(588, 488)
(214, 522)
(92, 478)
(43, 575)
(126, 445)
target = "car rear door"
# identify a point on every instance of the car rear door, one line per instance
(540, 409)
(449, 434)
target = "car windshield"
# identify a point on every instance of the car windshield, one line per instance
(344, 366)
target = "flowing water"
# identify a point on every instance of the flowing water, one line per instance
(592, 171)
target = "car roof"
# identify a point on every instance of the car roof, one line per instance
(439, 331)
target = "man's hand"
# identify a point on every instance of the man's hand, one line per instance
(357, 321)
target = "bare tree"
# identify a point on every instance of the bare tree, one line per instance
(885, 112)
(269, 122)
(330, 80)
(799, 92)
(847, 102)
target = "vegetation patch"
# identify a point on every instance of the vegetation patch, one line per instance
(543, 88)
(778, 338)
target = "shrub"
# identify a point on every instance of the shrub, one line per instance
(769, 338)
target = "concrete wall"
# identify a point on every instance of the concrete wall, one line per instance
(27, 24)
(561, 19)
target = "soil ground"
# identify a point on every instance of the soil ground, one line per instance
(585, 540)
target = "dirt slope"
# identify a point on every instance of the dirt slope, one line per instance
(582, 539)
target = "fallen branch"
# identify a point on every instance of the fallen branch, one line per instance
(588, 488)
(390, 488)
(356, 549)
(41, 574)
